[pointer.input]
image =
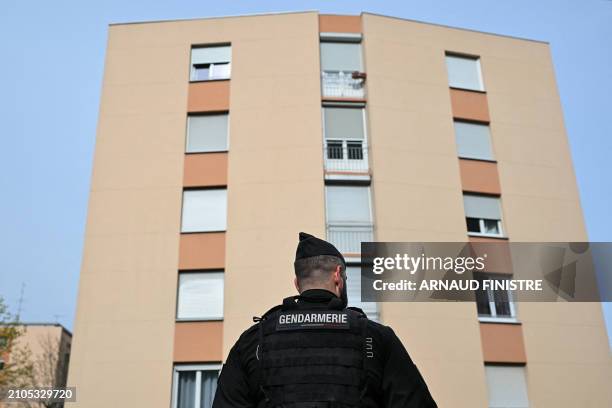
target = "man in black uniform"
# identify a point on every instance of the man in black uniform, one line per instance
(314, 352)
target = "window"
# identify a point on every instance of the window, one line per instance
(349, 218)
(344, 136)
(348, 205)
(494, 304)
(353, 289)
(194, 386)
(341, 56)
(209, 63)
(464, 72)
(482, 215)
(507, 386)
(339, 61)
(344, 123)
(473, 141)
(1, 364)
(3, 342)
(207, 133)
(200, 296)
(204, 210)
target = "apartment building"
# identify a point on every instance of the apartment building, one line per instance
(47, 349)
(219, 139)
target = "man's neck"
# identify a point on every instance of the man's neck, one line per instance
(315, 290)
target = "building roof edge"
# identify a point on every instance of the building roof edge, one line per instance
(458, 28)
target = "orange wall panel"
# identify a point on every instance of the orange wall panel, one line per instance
(329, 23)
(499, 257)
(202, 251)
(479, 176)
(502, 343)
(469, 105)
(198, 342)
(208, 96)
(205, 170)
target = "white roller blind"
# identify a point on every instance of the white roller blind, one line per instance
(200, 296)
(211, 55)
(464, 72)
(353, 290)
(507, 387)
(473, 141)
(343, 123)
(348, 205)
(338, 56)
(204, 210)
(482, 207)
(207, 133)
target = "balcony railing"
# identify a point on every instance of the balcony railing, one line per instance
(342, 84)
(346, 155)
(348, 238)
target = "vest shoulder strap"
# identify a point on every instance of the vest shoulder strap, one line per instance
(358, 310)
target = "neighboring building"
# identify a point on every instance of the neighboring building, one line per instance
(49, 346)
(220, 139)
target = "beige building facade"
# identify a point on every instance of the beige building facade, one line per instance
(220, 139)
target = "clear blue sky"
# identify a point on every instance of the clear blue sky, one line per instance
(51, 64)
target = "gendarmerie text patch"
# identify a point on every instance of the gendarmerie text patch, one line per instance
(324, 319)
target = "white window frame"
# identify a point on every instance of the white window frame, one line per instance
(364, 141)
(478, 70)
(211, 70)
(200, 319)
(481, 224)
(198, 368)
(481, 221)
(493, 317)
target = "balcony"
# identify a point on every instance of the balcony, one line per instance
(348, 238)
(350, 156)
(343, 84)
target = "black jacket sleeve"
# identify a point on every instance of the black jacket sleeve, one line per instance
(402, 384)
(233, 388)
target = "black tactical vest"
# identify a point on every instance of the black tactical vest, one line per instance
(312, 358)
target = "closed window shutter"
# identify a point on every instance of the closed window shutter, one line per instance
(464, 72)
(348, 205)
(343, 123)
(211, 55)
(473, 141)
(507, 387)
(200, 296)
(482, 207)
(204, 210)
(340, 56)
(207, 133)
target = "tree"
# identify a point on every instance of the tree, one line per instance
(18, 369)
(50, 366)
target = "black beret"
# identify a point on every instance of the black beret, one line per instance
(312, 246)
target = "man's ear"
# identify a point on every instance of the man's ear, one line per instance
(295, 283)
(337, 275)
